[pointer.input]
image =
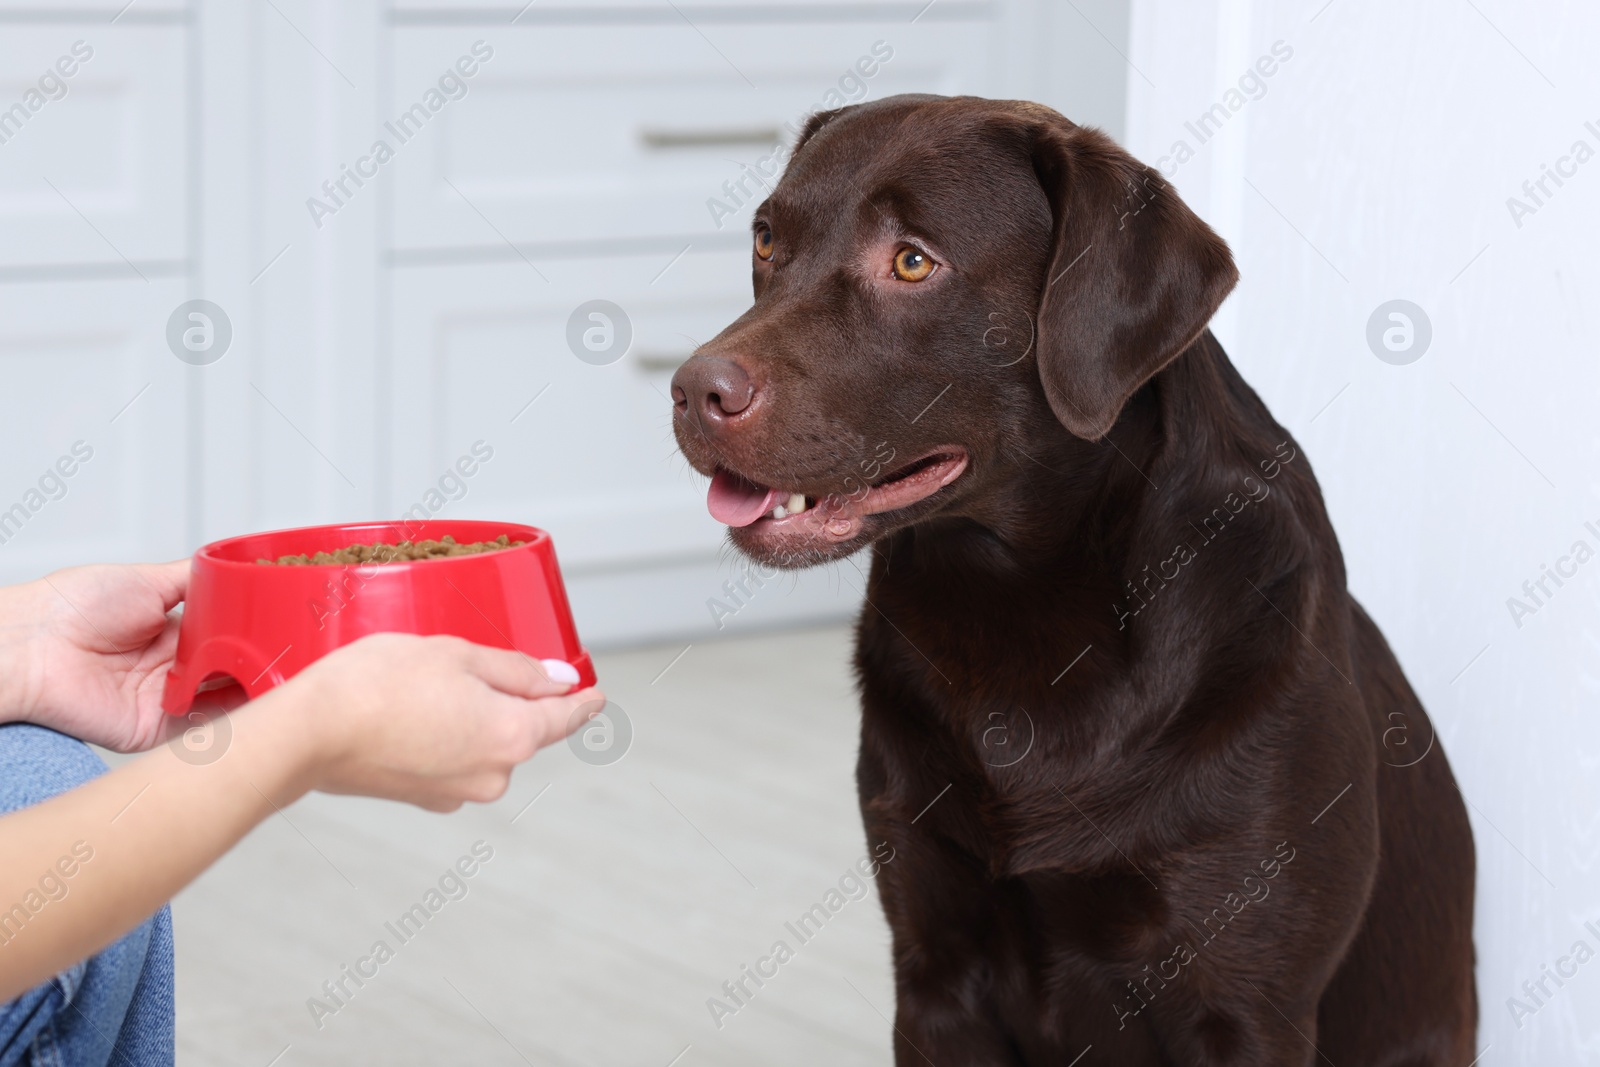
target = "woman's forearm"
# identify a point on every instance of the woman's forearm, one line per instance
(83, 868)
(433, 721)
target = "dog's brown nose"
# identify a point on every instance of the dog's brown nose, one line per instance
(709, 389)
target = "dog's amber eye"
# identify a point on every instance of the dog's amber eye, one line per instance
(764, 242)
(912, 265)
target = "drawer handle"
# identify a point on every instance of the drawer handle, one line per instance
(677, 140)
(656, 362)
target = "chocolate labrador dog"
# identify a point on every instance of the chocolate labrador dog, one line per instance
(1157, 789)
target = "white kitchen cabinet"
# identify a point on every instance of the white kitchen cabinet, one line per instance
(577, 133)
(94, 237)
(93, 433)
(93, 164)
(383, 326)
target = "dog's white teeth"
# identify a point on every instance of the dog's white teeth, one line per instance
(794, 505)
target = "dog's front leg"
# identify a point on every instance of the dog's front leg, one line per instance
(942, 920)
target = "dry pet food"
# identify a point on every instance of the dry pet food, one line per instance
(404, 552)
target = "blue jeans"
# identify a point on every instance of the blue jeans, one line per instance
(114, 1008)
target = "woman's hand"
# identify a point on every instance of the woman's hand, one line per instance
(434, 721)
(85, 651)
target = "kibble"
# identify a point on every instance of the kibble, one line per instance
(404, 552)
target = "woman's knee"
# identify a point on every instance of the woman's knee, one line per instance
(83, 1014)
(37, 764)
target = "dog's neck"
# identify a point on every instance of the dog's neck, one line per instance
(1090, 544)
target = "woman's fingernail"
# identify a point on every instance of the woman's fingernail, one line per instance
(559, 670)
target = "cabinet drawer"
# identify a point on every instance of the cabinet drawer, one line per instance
(88, 376)
(576, 133)
(94, 13)
(700, 12)
(93, 166)
(592, 459)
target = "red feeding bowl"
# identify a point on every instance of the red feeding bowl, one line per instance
(259, 625)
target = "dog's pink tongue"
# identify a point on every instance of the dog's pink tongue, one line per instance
(737, 502)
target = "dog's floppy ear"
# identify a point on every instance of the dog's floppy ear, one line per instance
(1134, 274)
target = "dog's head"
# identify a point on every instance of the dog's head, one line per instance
(936, 279)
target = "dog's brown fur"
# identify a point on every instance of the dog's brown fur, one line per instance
(1154, 781)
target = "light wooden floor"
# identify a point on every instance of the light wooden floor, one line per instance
(613, 907)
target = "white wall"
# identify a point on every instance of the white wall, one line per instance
(1377, 166)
